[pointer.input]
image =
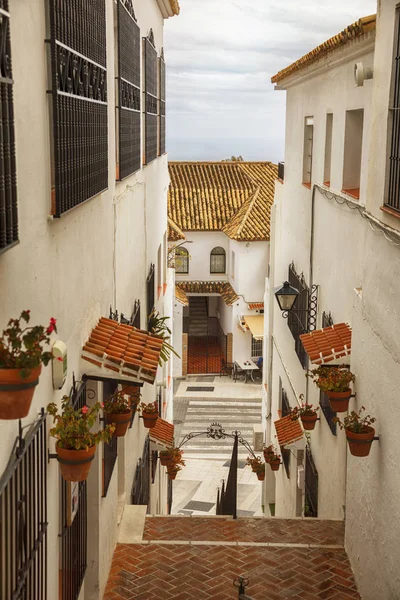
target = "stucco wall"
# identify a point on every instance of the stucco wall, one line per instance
(199, 255)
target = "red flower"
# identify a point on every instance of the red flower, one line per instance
(60, 358)
(52, 326)
(85, 409)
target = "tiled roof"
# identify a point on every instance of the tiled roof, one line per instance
(174, 233)
(223, 288)
(180, 295)
(162, 432)
(117, 349)
(234, 197)
(328, 344)
(175, 6)
(357, 29)
(288, 431)
(256, 305)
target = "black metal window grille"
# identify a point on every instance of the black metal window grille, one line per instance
(8, 175)
(128, 110)
(169, 497)
(73, 536)
(281, 171)
(298, 316)
(182, 261)
(154, 457)
(79, 107)
(256, 347)
(150, 290)
(151, 99)
(311, 486)
(136, 315)
(393, 189)
(285, 410)
(110, 450)
(162, 127)
(141, 483)
(218, 260)
(23, 517)
(324, 403)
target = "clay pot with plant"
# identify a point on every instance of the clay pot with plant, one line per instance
(118, 410)
(257, 466)
(359, 432)
(335, 383)
(76, 442)
(274, 459)
(171, 456)
(307, 413)
(21, 359)
(149, 414)
(173, 470)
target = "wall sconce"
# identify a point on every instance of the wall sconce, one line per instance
(286, 295)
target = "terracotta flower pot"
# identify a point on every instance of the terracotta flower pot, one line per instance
(267, 456)
(166, 461)
(75, 464)
(360, 443)
(171, 475)
(274, 464)
(309, 421)
(16, 393)
(149, 420)
(121, 422)
(339, 401)
(261, 475)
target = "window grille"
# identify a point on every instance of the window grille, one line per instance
(150, 291)
(141, 483)
(151, 99)
(298, 316)
(256, 347)
(8, 176)
(161, 69)
(110, 450)
(154, 458)
(285, 410)
(311, 486)
(79, 107)
(23, 517)
(136, 315)
(324, 403)
(182, 261)
(128, 111)
(393, 190)
(218, 260)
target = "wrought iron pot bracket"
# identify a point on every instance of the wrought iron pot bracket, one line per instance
(216, 432)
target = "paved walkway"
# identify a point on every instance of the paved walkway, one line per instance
(196, 558)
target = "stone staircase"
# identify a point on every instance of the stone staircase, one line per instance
(198, 316)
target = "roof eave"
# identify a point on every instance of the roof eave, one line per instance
(168, 8)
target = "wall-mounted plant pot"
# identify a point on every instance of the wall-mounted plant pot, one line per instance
(360, 443)
(166, 461)
(274, 464)
(120, 420)
(149, 420)
(171, 475)
(16, 393)
(261, 476)
(309, 421)
(75, 464)
(339, 401)
(267, 456)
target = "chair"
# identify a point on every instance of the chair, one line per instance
(238, 372)
(226, 368)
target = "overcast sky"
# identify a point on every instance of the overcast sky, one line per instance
(220, 57)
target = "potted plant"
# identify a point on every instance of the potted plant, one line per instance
(171, 456)
(172, 471)
(359, 432)
(76, 445)
(118, 410)
(268, 452)
(149, 414)
(133, 391)
(157, 326)
(334, 382)
(257, 466)
(21, 358)
(272, 457)
(307, 414)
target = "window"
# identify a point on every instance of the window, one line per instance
(353, 135)
(298, 316)
(328, 149)
(308, 150)
(324, 403)
(150, 291)
(136, 315)
(311, 485)
(128, 77)
(109, 449)
(151, 98)
(79, 107)
(140, 493)
(8, 175)
(217, 260)
(256, 347)
(285, 410)
(233, 266)
(161, 126)
(182, 260)
(393, 190)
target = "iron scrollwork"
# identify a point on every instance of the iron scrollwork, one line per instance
(129, 96)
(78, 76)
(127, 4)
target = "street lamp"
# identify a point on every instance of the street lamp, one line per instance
(286, 296)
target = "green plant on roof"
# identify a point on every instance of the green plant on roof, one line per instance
(158, 327)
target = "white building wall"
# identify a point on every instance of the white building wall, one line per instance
(199, 247)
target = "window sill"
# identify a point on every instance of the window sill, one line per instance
(307, 185)
(327, 183)
(390, 211)
(353, 192)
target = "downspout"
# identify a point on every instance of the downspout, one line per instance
(271, 298)
(311, 263)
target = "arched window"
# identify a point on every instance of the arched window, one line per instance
(182, 260)
(218, 260)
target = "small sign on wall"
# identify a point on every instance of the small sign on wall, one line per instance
(59, 364)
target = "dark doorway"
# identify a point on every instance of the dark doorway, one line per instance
(206, 339)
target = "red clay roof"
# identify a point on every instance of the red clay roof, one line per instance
(162, 432)
(122, 350)
(328, 344)
(256, 305)
(288, 431)
(223, 288)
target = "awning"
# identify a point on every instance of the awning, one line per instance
(162, 433)
(288, 431)
(256, 325)
(327, 344)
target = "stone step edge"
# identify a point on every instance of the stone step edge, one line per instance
(250, 544)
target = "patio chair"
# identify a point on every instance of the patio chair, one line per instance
(226, 368)
(238, 373)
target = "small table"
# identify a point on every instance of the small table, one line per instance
(248, 367)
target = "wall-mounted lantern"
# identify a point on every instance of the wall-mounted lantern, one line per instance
(286, 296)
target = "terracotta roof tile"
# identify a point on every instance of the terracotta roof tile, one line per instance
(175, 7)
(122, 349)
(162, 432)
(288, 431)
(357, 29)
(330, 343)
(181, 296)
(174, 232)
(223, 288)
(233, 197)
(256, 305)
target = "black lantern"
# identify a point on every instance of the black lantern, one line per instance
(286, 296)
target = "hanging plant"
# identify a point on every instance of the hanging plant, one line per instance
(21, 359)
(359, 432)
(171, 456)
(271, 457)
(257, 466)
(307, 413)
(335, 383)
(173, 470)
(118, 410)
(149, 414)
(159, 328)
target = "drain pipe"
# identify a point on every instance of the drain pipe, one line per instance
(271, 306)
(311, 264)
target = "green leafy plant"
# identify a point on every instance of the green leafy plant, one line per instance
(175, 454)
(355, 422)
(118, 403)
(158, 327)
(306, 410)
(332, 379)
(149, 409)
(21, 347)
(73, 427)
(256, 464)
(270, 453)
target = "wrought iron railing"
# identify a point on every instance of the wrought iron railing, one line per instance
(311, 486)
(23, 517)
(110, 450)
(393, 191)
(161, 69)
(150, 290)
(298, 316)
(140, 493)
(324, 403)
(151, 98)
(227, 500)
(285, 410)
(169, 496)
